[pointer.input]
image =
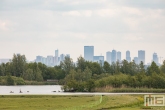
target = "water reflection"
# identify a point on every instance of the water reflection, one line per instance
(45, 89)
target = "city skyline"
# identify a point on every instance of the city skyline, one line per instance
(39, 27)
(113, 56)
(110, 56)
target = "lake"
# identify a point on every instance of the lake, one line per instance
(52, 90)
(31, 89)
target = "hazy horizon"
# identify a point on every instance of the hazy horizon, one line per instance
(39, 27)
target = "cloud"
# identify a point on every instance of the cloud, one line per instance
(85, 13)
(5, 25)
(65, 23)
(133, 38)
(72, 13)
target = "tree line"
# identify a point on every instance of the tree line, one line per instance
(84, 75)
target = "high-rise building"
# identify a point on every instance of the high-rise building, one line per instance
(50, 60)
(119, 56)
(39, 59)
(99, 59)
(141, 56)
(62, 57)
(88, 53)
(113, 57)
(44, 60)
(56, 61)
(155, 58)
(108, 57)
(136, 60)
(128, 58)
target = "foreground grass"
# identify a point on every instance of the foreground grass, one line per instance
(53, 102)
(30, 102)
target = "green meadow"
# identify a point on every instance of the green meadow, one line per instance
(81, 102)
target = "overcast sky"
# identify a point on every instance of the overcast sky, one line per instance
(38, 27)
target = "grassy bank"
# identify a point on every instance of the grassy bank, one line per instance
(53, 102)
(124, 89)
(36, 102)
(40, 83)
(12, 80)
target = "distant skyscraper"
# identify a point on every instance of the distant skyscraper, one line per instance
(88, 53)
(99, 59)
(44, 60)
(141, 56)
(113, 57)
(136, 60)
(155, 58)
(39, 59)
(50, 60)
(128, 58)
(108, 57)
(119, 56)
(62, 57)
(56, 61)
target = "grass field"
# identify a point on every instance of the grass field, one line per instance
(54, 102)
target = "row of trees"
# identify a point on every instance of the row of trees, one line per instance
(85, 75)
(30, 71)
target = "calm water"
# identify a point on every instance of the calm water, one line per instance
(45, 89)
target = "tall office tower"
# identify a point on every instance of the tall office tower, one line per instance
(62, 57)
(119, 56)
(108, 57)
(56, 61)
(113, 57)
(88, 53)
(128, 58)
(50, 60)
(39, 59)
(44, 60)
(155, 58)
(99, 59)
(141, 56)
(136, 60)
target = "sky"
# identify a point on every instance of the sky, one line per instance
(39, 27)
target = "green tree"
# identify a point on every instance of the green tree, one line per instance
(10, 80)
(38, 75)
(18, 65)
(29, 75)
(162, 68)
(2, 69)
(125, 67)
(133, 68)
(45, 71)
(86, 74)
(60, 73)
(67, 65)
(141, 67)
(117, 70)
(106, 67)
(90, 84)
(81, 64)
(153, 68)
(70, 76)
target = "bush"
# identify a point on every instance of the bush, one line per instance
(10, 80)
(19, 81)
